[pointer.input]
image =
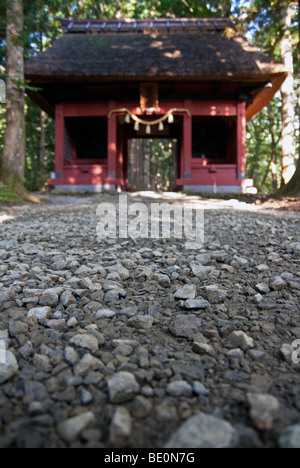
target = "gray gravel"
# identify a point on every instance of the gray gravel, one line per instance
(142, 343)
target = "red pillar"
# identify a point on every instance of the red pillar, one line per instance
(241, 140)
(187, 144)
(59, 140)
(112, 142)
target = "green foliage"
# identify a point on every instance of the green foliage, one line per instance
(8, 194)
(33, 177)
(259, 146)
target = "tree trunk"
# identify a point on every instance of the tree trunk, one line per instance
(42, 147)
(273, 149)
(293, 187)
(13, 162)
(288, 101)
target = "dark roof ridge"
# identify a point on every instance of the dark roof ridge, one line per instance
(131, 25)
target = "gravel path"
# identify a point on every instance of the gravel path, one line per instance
(142, 343)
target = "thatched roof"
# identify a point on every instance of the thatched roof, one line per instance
(180, 49)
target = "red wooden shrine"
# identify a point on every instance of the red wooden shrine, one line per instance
(108, 82)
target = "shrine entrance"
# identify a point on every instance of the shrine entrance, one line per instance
(150, 161)
(152, 164)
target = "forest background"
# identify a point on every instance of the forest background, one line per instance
(271, 25)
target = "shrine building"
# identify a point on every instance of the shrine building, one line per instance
(193, 82)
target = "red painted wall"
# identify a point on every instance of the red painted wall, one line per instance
(112, 171)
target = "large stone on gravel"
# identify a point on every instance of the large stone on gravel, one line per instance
(215, 294)
(200, 271)
(179, 388)
(196, 304)
(8, 365)
(40, 313)
(70, 429)
(120, 428)
(277, 283)
(239, 339)
(204, 431)
(141, 322)
(122, 387)
(186, 326)
(264, 409)
(49, 298)
(86, 341)
(188, 291)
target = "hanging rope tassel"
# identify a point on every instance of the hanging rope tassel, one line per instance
(148, 129)
(161, 127)
(136, 126)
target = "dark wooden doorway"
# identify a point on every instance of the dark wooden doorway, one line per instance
(152, 164)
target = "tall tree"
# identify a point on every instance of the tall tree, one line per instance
(272, 23)
(288, 140)
(293, 186)
(13, 161)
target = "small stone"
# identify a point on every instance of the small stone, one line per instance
(219, 255)
(290, 437)
(256, 354)
(179, 388)
(204, 431)
(215, 294)
(199, 389)
(40, 313)
(8, 366)
(258, 298)
(286, 352)
(16, 328)
(49, 298)
(141, 322)
(70, 355)
(70, 429)
(262, 267)
(104, 313)
(122, 387)
(56, 324)
(277, 283)
(239, 339)
(86, 397)
(196, 304)
(26, 350)
(86, 341)
(67, 298)
(42, 362)
(264, 409)
(188, 291)
(185, 325)
(203, 349)
(72, 322)
(235, 353)
(87, 364)
(262, 288)
(200, 271)
(121, 270)
(120, 428)
(163, 280)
